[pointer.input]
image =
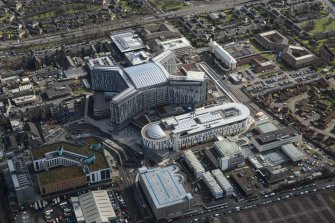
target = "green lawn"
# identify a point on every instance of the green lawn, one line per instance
(322, 25)
(167, 5)
(64, 10)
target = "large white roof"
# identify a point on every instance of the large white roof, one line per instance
(202, 119)
(164, 186)
(146, 75)
(96, 207)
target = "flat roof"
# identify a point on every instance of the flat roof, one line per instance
(128, 41)
(293, 152)
(227, 148)
(174, 44)
(223, 54)
(55, 175)
(164, 186)
(201, 119)
(138, 57)
(276, 135)
(266, 127)
(100, 61)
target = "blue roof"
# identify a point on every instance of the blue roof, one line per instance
(146, 75)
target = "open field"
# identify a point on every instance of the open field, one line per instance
(322, 25)
(64, 10)
(167, 5)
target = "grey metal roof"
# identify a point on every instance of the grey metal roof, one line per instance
(146, 75)
(293, 152)
(164, 186)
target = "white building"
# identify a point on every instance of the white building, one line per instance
(230, 154)
(199, 126)
(276, 138)
(180, 46)
(99, 61)
(193, 163)
(93, 207)
(212, 185)
(222, 55)
(223, 182)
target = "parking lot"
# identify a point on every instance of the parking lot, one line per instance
(279, 81)
(316, 207)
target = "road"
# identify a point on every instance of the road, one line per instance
(96, 29)
(262, 201)
(233, 92)
(216, 78)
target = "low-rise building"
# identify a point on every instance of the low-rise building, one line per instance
(230, 154)
(93, 207)
(242, 178)
(159, 31)
(272, 40)
(180, 46)
(223, 182)
(212, 185)
(193, 163)
(127, 41)
(276, 138)
(298, 57)
(165, 192)
(293, 152)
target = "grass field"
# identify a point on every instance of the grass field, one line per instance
(322, 25)
(64, 10)
(167, 5)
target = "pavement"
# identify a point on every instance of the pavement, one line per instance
(256, 204)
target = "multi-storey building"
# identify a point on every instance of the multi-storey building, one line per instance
(63, 166)
(230, 154)
(165, 192)
(180, 46)
(276, 138)
(135, 89)
(222, 55)
(202, 125)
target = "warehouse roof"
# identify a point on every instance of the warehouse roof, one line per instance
(164, 185)
(96, 207)
(293, 152)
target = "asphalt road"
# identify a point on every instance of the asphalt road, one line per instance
(262, 201)
(234, 93)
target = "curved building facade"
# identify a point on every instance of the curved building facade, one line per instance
(202, 125)
(136, 89)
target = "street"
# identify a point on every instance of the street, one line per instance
(221, 211)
